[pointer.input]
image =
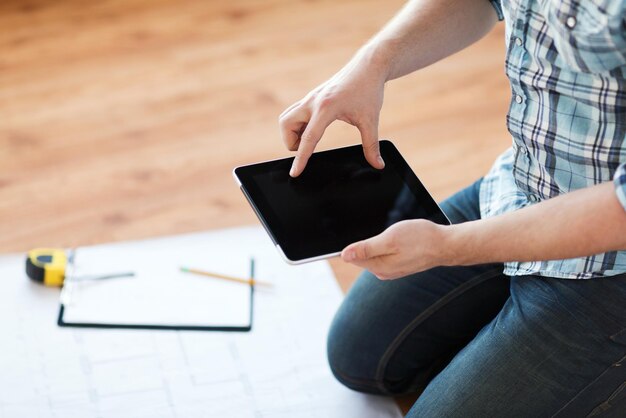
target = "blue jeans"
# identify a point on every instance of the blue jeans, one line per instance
(484, 344)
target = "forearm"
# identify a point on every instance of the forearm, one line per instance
(580, 223)
(425, 31)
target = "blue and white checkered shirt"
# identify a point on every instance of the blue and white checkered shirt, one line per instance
(566, 63)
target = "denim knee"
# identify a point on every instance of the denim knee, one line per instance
(349, 355)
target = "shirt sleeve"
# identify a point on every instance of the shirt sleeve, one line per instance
(619, 179)
(498, 6)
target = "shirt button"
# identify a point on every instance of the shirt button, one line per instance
(518, 41)
(570, 22)
(523, 150)
(518, 99)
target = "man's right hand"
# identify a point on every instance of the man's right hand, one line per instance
(423, 32)
(353, 95)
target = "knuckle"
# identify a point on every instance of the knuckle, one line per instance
(286, 124)
(289, 139)
(285, 116)
(371, 146)
(310, 96)
(364, 250)
(391, 235)
(307, 137)
(325, 102)
(365, 120)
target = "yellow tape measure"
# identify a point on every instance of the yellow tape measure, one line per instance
(47, 266)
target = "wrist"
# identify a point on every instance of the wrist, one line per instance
(457, 246)
(376, 60)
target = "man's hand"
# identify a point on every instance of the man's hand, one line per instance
(353, 95)
(580, 223)
(404, 248)
(423, 32)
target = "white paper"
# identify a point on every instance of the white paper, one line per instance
(279, 369)
(159, 293)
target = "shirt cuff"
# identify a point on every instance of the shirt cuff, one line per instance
(498, 6)
(619, 179)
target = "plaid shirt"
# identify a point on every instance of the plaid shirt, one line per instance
(566, 63)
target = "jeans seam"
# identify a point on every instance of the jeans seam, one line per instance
(384, 361)
(369, 383)
(587, 386)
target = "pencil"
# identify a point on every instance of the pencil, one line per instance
(250, 281)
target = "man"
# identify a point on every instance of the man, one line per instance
(518, 309)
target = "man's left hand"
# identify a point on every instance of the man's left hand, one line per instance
(404, 248)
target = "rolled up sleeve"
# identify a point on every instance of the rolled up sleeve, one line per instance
(498, 6)
(619, 179)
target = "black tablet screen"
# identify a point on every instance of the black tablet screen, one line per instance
(337, 200)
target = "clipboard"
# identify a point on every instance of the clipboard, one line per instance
(159, 296)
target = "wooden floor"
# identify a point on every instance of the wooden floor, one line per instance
(122, 119)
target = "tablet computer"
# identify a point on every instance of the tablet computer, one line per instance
(338, 199)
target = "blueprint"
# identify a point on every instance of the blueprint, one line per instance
(278, 369)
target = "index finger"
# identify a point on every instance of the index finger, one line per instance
(308, 140)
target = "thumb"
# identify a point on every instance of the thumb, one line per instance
(364, 250)
(371, 149)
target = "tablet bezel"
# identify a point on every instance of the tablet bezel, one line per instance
(393, 159)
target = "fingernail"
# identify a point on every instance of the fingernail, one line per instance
(381, 161)
(292, 172)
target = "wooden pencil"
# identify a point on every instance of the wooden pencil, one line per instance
(250, 281)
